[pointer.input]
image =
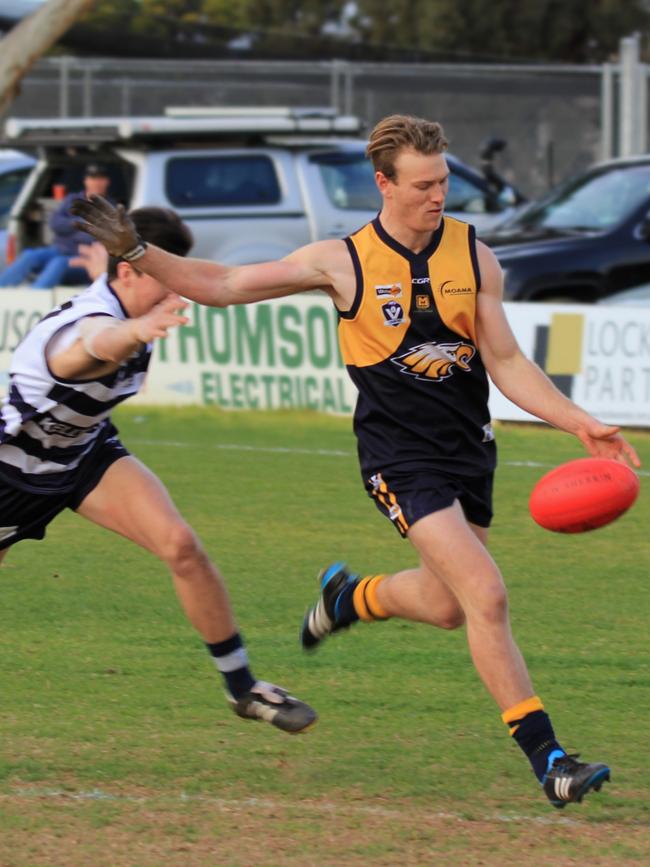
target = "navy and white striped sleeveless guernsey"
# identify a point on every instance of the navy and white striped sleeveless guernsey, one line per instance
(48, 425)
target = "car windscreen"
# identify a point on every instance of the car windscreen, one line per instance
(349, 180)
(597, 202)
(466, 195)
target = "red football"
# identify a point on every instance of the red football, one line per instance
(583, 494)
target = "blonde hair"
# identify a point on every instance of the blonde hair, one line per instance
(399, 131)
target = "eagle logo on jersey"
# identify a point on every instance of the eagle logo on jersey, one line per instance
(434, 362)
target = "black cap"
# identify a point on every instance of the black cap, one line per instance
(96, 170)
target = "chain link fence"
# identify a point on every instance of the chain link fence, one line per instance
(551, 116)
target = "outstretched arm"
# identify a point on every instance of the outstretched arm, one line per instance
(102, 343)
(200, 280)
(221, 285)
(524, 383)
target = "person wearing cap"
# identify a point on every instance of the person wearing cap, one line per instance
(46, 267)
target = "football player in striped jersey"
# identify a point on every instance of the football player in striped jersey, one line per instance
(59, 449)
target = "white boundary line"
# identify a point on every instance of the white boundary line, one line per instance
(239, 447)
(270, 804)
(328, 453)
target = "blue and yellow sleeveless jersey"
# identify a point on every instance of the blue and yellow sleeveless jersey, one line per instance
(409, 344)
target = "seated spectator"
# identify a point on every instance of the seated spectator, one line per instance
(50, 266)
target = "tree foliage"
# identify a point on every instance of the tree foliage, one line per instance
(574, 31)
(563, 30)
(295, 16)
(112, 14)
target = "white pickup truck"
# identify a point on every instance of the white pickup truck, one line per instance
(252, 183)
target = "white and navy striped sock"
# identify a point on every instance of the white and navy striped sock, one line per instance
(231, 659)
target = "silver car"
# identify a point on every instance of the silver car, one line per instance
(252, 184)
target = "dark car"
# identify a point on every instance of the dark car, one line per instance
(588, 239)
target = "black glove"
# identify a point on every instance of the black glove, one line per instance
(110, 225)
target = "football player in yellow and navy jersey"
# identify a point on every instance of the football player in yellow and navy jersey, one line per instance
(421, 325)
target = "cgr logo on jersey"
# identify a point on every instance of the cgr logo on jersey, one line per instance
(389, 290)
(393, 313)
(433, 362)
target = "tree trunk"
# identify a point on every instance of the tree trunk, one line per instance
(30, 39)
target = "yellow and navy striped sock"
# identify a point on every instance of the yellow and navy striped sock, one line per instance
(358, 601)
(365, 602)
(531, 727)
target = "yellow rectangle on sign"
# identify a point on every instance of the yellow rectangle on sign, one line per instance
(564, 354)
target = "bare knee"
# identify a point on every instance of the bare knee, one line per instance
(180, 548)
(491, 607)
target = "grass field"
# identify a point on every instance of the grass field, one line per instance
(118, 749)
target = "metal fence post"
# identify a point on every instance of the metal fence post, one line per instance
(335, 86)
(642, 124)
(87, 108)
(348, 92)
(64, 85)
(607, 112)
(629, 137)
(126, 97)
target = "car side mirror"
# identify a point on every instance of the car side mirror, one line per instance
(507, 197)
(491, 146)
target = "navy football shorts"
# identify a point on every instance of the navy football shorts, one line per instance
(407, 498)
(25, 514)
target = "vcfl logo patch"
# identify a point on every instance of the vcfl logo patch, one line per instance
(393, 313)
